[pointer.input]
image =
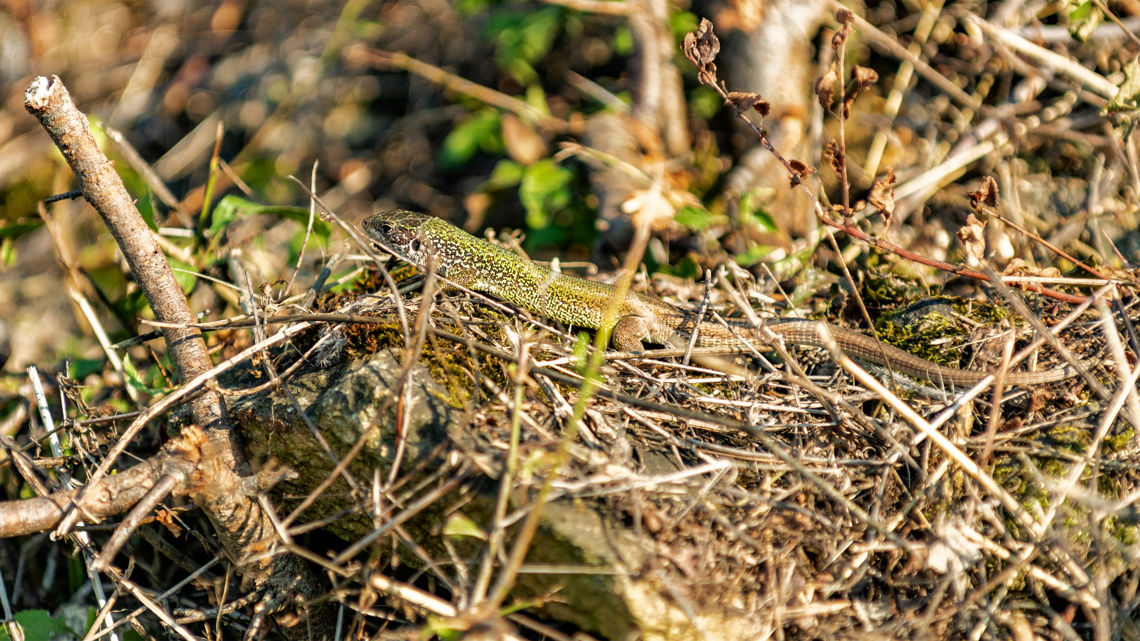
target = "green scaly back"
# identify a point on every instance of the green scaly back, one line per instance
(483, 266)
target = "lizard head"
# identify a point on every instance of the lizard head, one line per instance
(399, 231)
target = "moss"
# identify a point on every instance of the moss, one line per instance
(1020, 484)
(448, 363)
(880, 290)
(979, 311)
(1125, 534)
(1114, 443)
(445, 361)
(934, 338)
(1066, 438)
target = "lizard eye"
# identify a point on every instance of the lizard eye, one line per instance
(386, 229)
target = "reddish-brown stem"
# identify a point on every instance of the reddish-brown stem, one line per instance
(1048, 245)
(707, 76)
(882, 245)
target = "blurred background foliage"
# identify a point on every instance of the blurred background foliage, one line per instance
(228, 99)
(231, 98)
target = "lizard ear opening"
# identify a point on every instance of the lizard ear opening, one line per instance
(415, 244)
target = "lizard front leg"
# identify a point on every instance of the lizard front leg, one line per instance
(462, 276)
(629, 333)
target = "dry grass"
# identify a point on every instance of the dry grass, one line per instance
(799, 501)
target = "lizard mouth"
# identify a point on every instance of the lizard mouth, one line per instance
(387, 246)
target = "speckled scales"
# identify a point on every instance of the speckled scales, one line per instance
(483, 266)
(510, 277)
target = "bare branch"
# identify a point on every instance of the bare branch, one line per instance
(113, 495)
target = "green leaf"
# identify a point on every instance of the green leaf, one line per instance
(507, 173)
(479, 131)
(681, 23)
(132, 304)
(16, 230)
(623, 41)
(459, 525)
(705, 102)
(184, 274)
(552, 235)
(469, 8)
(135, 379)
(443, 628)
(38, 625)
(316, 241)
(232, 207)
(146, 210)
(344, 284)
(229, 209)
(812, 281)
(1127, 96)
(753, 255)
(536, 97)
(1084, 18)
(752, 209)
(81, 368)
(687, 268)
(580, 355)
(694, 218)
(7, 252)
(522, 38)
(544, 190)
(76, 577)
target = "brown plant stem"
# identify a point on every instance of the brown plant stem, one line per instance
(243, 526)
(114, 495)
(48, 100)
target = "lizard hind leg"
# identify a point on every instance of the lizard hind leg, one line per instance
(629, 332)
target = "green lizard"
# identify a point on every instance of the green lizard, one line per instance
(482, 266)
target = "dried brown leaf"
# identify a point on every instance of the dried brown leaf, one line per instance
(864, 76)
(986, 195)
(973, 238)
(742, 101)
(882, 196)
(523, 143)
(844, 17)
(834, 155)
(838, 38)
(166, 518)
(702, 46)
(801, 170)
(1018, 266)
(861, 78)
(825, 86)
